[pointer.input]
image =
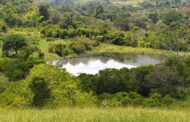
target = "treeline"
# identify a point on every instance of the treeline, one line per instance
(168, 29)
(150, 85)
(28, 85)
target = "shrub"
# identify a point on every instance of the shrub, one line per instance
(57, 88)
(121, 99)
(167, 101)
(12, 44)
(60, 49)
(17, 69)
(155, 100)
(118, 41)
(14, 94)
(78, 48)
(41, 91)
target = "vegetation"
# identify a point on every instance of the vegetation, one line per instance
(95, 115)
(32, 32)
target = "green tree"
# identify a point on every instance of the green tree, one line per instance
(154, 17)
(164, 80)
(172, 18)
(12, 44)
(122, 22)
(99, 10)
(68, 22)
(43, 11)
(40, 90)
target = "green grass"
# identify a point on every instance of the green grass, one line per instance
(108, 48)
(94, 115)
(44, 46)
(127, 2)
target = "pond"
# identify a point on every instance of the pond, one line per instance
(93, 64)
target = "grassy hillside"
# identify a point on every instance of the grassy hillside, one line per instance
(95, 115)
(114, 2)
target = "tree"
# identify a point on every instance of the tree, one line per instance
(187, 72)
(86, 82)
(43, 11)
(12, 19)
(179, 65)
(41, 91)
(112, 81)
(122, 22)
(164, 80)
(118, 41)
(55, 17)
(12, 44)
(154, 17)
(3, 27)
(68, 22)
(141, 74)
(17, 69)
(99, 10)
(172, 17)
(58, 85)
(78, 48)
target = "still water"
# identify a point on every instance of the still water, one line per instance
(93, 64)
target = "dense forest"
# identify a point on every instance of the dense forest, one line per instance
(33, 32)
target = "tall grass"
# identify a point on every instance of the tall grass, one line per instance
(94, 115)
(107, 48)
(127, 2)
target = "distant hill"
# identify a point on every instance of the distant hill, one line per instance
(114, 2)
(171, 3)
(61, 1)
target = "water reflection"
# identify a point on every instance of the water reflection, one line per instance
(93, 64)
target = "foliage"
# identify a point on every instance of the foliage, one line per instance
(57, 89)
(41, 92)
(18, 69)
(30, 30)
(79, 46)
(43, 12)
(15, 43)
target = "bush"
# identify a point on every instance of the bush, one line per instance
(50, 39)
(78, 48)
(17, 69)
(118, 41)
(57, 88)
(3, 27)
(121, 99)
(136, 99)
(155, 100)
(60, 49)
(14, 94)
(167, 101)
(12, 44)
(41, 91)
